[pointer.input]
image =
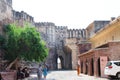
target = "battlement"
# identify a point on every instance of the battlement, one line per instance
(74, 29)
(61, 27)
(77, 33)
(44, 24)
(22, 15)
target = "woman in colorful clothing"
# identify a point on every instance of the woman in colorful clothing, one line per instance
(78, 70)
(45, 72)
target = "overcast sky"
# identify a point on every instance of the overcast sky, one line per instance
(77, 14)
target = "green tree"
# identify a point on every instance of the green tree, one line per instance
(24, 43)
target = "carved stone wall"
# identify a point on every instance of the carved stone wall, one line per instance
(75, 36)
(47, 31)
(57, 37)
(61, 33)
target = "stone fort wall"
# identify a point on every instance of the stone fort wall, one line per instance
(56, 37)
(5, 18)
(5, 9)
(5, 13)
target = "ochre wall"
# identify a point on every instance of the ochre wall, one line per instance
(110, 33)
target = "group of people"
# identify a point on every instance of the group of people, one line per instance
(42, 70)
(24, 72)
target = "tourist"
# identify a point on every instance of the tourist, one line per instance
(45, 71)
(78, 70)
(39, 72)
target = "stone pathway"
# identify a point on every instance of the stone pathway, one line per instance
(66, 75)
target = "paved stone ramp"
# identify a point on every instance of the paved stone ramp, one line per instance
(66, 75)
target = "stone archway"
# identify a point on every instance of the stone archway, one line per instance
(59, 66)
(67, 58)
(86, 67)
(72, 48)
(60, 62)
(81, 66)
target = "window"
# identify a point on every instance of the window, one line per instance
(117, 63)
(109, 64)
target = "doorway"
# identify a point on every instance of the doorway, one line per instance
(86, 66)
(60, 64)
(99, 71)
(81, 66)
(92, 67)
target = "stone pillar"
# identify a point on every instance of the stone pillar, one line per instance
(84, 66)
(79, 33)
(95, 66)
(74, 59)
(89, 66)
(70, 33)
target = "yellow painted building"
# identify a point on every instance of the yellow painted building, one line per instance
(110, 32)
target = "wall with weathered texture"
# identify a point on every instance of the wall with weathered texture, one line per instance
(71, 43)
(114, 50)
(47, 31)
(84, 47)
(5, 9)
(5, 13)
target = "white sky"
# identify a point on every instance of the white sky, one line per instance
(75, 14)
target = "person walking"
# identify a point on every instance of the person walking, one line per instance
(78, 70)
(45, 71)
(39, 72)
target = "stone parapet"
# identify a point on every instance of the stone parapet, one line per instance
(22, 17)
